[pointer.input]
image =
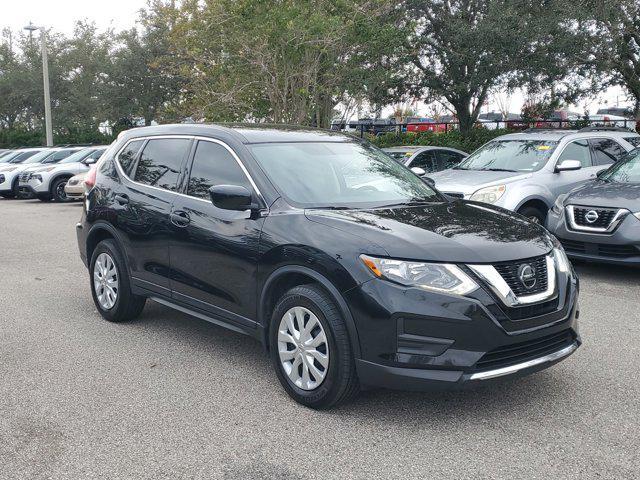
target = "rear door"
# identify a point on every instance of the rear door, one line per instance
(214, 252)
(143, 202)
(606, 152)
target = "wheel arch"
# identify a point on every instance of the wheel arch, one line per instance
(536, 202)
(287, 277)
(103, 231)
(56, 177)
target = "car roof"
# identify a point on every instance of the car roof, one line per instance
(244, 133)
(552, 135)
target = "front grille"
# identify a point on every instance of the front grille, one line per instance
(605, 216)
(510, 273)
(524, 351)
(600, 249)
(454, 194)
(523, 312)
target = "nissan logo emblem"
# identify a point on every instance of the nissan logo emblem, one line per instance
(527, 276)
(591, 216)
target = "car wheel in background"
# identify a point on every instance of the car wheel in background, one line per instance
(57, 190)
(310, 349)
(533, 214)
(111, 285)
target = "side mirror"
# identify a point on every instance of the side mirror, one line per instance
(568, 166)
(231, 197)
(90, 161)
(419, 171)
(429, 181)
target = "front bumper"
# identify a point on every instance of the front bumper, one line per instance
(411, 339)
(622, 247)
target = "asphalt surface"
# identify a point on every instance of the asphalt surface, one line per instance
(170, 396)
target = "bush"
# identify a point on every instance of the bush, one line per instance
(13, 138)
(454, 139)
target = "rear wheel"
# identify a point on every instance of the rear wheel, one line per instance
(57, 190)
(111, 285)
(310, 349)
(534, 215)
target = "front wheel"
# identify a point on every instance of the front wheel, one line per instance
(57, 190)
(310, 349)
(534, 215)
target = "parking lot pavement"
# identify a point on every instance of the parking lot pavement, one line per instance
(170, 396)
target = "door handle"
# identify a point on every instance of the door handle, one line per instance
(122, 199)
(180, 218)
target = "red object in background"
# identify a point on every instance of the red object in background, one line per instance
(90, 180)
(426, 127)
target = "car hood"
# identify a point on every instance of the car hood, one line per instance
(14, 168)
(470, 181)
(602, 194)
(456, 232)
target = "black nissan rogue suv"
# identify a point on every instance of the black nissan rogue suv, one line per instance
(350, 269)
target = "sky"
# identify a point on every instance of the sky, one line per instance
(60, 15)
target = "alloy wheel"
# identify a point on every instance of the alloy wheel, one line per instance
(60, 193)
(105, 281)
(303, 348)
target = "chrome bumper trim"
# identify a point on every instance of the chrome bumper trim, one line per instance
(499, 372)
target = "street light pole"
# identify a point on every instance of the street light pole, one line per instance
(45, 78)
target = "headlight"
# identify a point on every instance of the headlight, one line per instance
(437, 277)
(561, 260)
(489, 194)
(558, 207)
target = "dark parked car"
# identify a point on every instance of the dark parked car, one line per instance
(348, 268)
(600, 221)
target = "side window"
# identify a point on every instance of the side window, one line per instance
(448, 159)
(607, 151)
(128, 156)
(161, 162)
(213, 165)
(635, 141)
(578, 150)
(97, 154)
(425, 160)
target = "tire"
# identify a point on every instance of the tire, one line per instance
(126, 306)
(57, 190)
(340, 381)
(534, 215)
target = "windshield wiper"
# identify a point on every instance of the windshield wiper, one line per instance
(497, 170)
(329, 207)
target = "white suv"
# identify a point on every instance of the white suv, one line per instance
(47, 181)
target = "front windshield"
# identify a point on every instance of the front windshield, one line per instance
(399, 155)
(340, 175)
(626, 170)
(39, 157)
(78, 156)
(23, 156)
(510, 156)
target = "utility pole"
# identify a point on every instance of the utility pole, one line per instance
(45, 78)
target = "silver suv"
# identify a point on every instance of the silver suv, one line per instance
(525, 172)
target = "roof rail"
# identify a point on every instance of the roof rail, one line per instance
(542, 130)
(603, 128)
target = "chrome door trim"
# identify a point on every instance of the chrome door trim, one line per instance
(499, 286)
(190, 137)
(499, 372)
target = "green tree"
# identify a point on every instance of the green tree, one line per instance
(460, 50)
(283, 61)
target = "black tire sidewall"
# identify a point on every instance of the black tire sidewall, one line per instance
(54, 190)
(325, 394)
(531, 212)
(116, 313)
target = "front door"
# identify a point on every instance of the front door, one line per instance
(214, 252)
(563, 182)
